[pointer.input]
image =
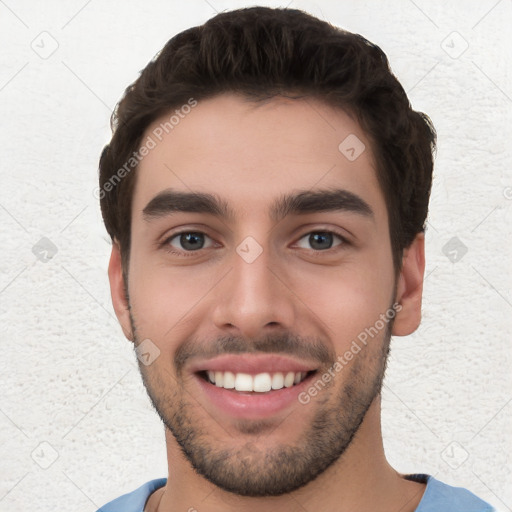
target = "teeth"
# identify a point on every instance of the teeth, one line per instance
(243, 382)
(260, 383)
(219, 379)
(288, 380)
(277, 381)
(229, 380)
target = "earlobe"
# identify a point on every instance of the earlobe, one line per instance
(118, 292)
(410, 288)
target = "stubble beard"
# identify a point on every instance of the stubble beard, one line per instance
(249, 470)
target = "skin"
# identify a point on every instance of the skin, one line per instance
(250, 155)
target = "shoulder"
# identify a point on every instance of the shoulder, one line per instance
(134, 501)
(440, 497)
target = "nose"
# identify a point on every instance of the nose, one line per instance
(254, 299)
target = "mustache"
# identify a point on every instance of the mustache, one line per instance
(283, 344)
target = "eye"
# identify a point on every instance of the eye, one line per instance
(189, 241)
(320, 240)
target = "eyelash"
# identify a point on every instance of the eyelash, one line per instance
(167, 247)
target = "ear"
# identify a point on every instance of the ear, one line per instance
(410, 288)
(118, 291)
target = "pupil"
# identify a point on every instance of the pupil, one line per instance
(191, 241)
(320, 240)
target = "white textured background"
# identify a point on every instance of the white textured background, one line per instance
(76, 427)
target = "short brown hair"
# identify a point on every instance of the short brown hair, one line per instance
(261, 52)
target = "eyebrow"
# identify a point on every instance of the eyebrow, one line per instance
(171, 201)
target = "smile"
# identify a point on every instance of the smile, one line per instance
(251, 386)
(260, 383)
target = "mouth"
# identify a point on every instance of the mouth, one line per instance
(249, 384)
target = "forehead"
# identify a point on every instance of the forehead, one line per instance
(249, 153)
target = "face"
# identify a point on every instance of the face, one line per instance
(260, 251)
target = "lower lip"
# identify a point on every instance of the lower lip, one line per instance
(252, 405)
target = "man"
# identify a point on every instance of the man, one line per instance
(266, 189)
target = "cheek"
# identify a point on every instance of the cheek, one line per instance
(163, 299)
(347, 299)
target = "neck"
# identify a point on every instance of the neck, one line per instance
(361, 479)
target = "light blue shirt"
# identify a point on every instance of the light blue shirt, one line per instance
(438, 497)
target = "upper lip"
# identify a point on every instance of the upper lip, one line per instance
(253, 364)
